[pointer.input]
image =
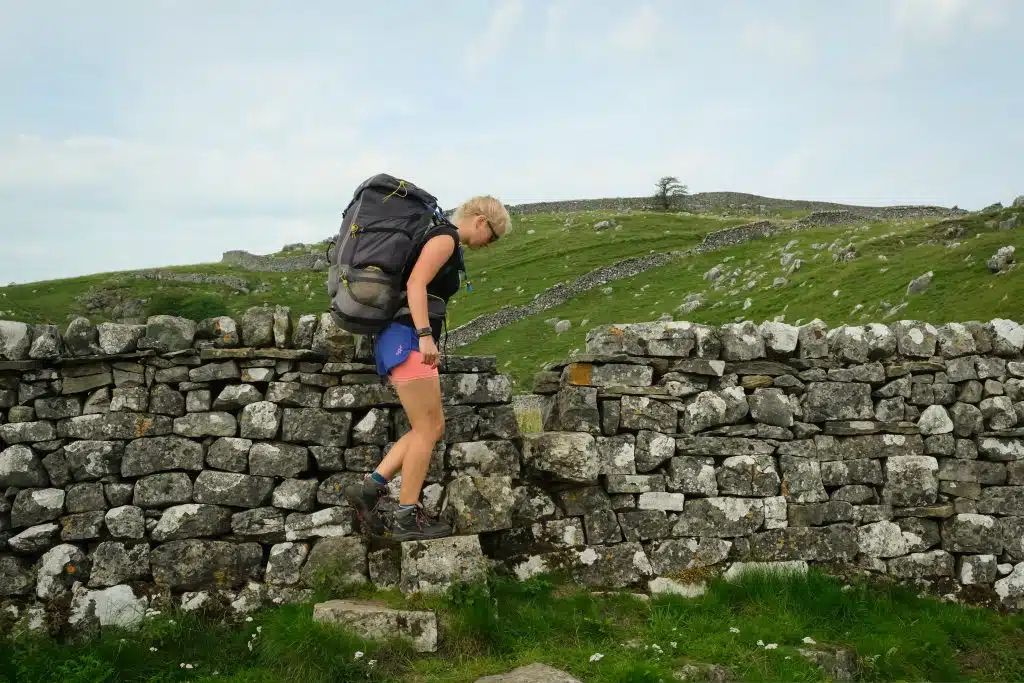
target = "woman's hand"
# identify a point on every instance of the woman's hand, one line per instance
(428, 349)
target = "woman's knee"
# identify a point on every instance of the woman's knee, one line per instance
(431, 427)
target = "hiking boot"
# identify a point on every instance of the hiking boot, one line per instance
(415, 524)
(365, 496)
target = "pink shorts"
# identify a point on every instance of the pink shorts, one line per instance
(412, 368)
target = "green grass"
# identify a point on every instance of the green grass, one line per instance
(521, 266)
(894, 634)
(960, 290)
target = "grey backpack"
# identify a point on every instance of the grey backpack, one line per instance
(386, 220)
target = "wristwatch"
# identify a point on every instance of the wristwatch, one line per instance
(424, 332)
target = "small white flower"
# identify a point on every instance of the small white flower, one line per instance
(771, 646)
(674, 645)
(810, 641)
(596, 657)
(733, 629)
(188, 666)
(259, 629)
(372, 662)
(152, 649)
(248, 619)
(359, 655)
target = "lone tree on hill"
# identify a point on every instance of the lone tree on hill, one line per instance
(669, 187)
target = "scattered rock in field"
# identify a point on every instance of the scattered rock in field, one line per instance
(896, 309)
(844, 254)
(562, 326)
(375, 620)
(1002, 260)
(716, 673)
(604, 225)
(779, 282)
(1009, 224)
(691, 303)
(714, 274)
(607, 291)
(920, 284)
(747, 304)
(533, 673)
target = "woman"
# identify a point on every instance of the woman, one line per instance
(406, 352)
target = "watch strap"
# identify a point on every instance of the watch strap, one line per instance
(424, 332)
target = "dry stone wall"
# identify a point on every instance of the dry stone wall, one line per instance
(191, 463)
(182, 462)
(686, 449)
(314, 260)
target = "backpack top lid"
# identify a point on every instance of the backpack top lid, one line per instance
(391, 186)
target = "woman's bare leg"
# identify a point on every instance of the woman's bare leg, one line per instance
(421, 399)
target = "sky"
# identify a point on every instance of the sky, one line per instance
(143, 134)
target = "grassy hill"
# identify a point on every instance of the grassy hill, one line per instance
(545, 250)
(865, 289)
(557, 247)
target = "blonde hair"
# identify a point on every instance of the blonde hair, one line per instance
(488, 207)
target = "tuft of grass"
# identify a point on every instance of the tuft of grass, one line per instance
(500, 623)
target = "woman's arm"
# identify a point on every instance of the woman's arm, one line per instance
(435, 253)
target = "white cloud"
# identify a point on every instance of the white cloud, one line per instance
(639, 31)
(491, 41)
(776, 41)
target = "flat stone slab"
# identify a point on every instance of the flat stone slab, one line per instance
(376, 621)
(532, 673)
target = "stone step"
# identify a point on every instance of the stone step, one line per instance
(533, 673)
(374, 620)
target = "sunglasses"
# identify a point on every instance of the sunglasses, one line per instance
(494, 235)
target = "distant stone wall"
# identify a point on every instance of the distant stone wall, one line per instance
(740, 234)
(202, 463)
(716, 202)
(556, 295)
(239, 284)
(275, 264)
(686, 450)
